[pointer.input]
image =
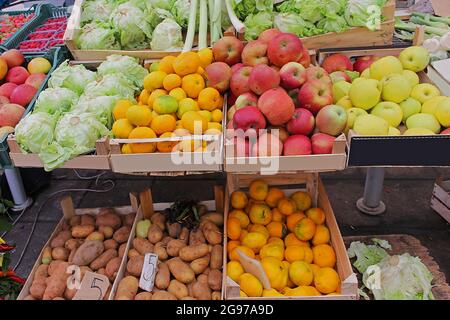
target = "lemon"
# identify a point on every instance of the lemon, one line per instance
(235, 270)
(126, 149)
(206, 57)
(165, 104)
(120, 109)
(155, 94)
(216, 115)
(139, 115)
(205, 114)
(301, 273)
(178, 94)
(154, 80)
(122, 128)
(185, 105)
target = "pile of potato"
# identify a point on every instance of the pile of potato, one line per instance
(189, 261)
(95, 243)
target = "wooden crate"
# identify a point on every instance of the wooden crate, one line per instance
(440, 200)
(147, 210)
(68, 212)
(314, 186)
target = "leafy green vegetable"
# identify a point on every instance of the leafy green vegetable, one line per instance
(257, 23)
(167, 36)
(74, 78)
(364, 13)
(366, 255)
(126, 66)
(111, 85)
(180, 12)
(292, 22)
(55, 100)
(244, 8)
(35, 131)
(96, 10)
(97, 35)
(333, 23)
(101, 107)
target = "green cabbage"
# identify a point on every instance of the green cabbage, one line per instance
(101, 107)
(55, 100)
(111, 85)
(292, 22)
(97, 35)
(35, 131)
(125, 66)
(74, 78)
(333, 23)
(257, 23)
(308, 10)
(96, 10)
(364, 13)
(366, 255)
(244, 8)
(180, 12)
(167, 36)
(75, 134)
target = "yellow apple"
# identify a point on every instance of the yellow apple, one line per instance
(345, 102)
(340, 89)
(418, 132)
(385, 66)
(371, 125)
(424, 92)
(430, 105)
(443, 112)
(393, 132)
(365, 93)
(423, 120)
(396, 88)
(389, 111)
(414, 58)
(409, 107)
(365, 73)
(412, 77)
(352, 114)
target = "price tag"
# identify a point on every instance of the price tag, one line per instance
(93, 287)
(149, 272)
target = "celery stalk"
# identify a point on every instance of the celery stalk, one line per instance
(237, 24)
(189, 42)
(216, 30)
(203, 27)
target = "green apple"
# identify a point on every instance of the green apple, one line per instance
(443, 112)
(371, 125)
(365, 74)
(412, 77)
(340, 89)
(418, 132)
(424, 92)
(393, 132)
(396, 88)
(423, 120)
(430, 105)
(385, 66)
(409, 107)
(364, 93)
(352, 114)
(389, 111)
(414, 58)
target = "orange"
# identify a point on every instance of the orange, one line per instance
(239, 200)
(294, 253)
(309, 256)
(276, 240)
(301, 273)
(241, 216)
(126, 149)
(326, 280)
(171, 81)
(165, 104)
(215, 126)
(277, 215)
(260, 214)
(3, 68)
(166, 146)
(272, 250)
(251, 286)
(321, 236)
(277, 229)
(209, 99)
(291, 221)
(155, 94)
(165, 64)
(302, 200)
(302, 291)
(286, 206)
(315, 268)
(259, 228)
(121, 108)
(194, 122)
(143, 97)
(324, 255)
(254, 241)
(186, 63)
(243, 234)
(205, 114)
(122, 128)
(258, 190)
(163, 123)
(206, 57)
(233, 228)
(216, 115)
(316, 214)
(142, 133)
(201, 71)
(305, 229)
(234, 270)
(154, 80)
(247, 251)
(185, 105)
(192, 84)
(273, 196)
(178, 94)
(139, 115)
(232, 244)
(292, 240)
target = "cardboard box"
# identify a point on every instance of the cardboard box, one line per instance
(440, 200)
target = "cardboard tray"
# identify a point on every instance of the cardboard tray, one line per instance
(69, 211)
(440, 200)
(314, 186)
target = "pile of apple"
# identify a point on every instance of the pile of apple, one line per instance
(19, 86)
(279, 103)
(387, 98)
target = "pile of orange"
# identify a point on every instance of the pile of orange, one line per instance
(289, 238)
(175, 102)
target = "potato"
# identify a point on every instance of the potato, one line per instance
(107, 231)
(162, 276)
(161, 251)
(103, 259)
(199, 265)
(71, 255)
(143, 296)
(88, 252)
(112, 267)
(173, 229)
(84, 270)
(82, 231)
(128, 219)
(196, 237)
(181, 270)
(65, 226)
(41, 272)
(60, 239)
(53, 266)
(135, 265)
(96, 235)
(211, 232)
(74, 221)
(214, 217)
(47, 255)
(178, 289)
(215, 279)
(163, 295)
(216, 257)
(102, 271)
(166, 240)
(188, 298)
(107, 217)
(216, 295)
(159, 219)
(87, 220)
(133, 253)
(60, 253)
(122, 249)
(70, 293)
(29, 297)
(206, 272)
(189, 286)
(110, 244)
(184, 235)
(174, 246)
(56, 283)
(122, 234)
(58, 298)
(154, 234)
(203, 278)
(201, 291)
(127, 288)
(72, 244)
(190, 253)
(142, 245)
(38, 287)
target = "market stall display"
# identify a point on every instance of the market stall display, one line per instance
(11, 22)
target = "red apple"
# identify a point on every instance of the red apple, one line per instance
(297, 145)
(23, 94)
(322, 143)
(10, 114)
(3, 100)
(294, 96)
(218, 75)
(267, 145)
(314, 95)
(263, 78)
(239, 81)
(284, 48)
(241, 147)
(268, 35)
(337, 62)
(317, 73)
(231, 99)
(331, 119)
(249, 118)
(305, 59)
(446, 131)
(292, 75)
(280, 132)
(7, 88)
(277, 106)
(13, 58)
(17, 75)
(35, 79)
(236, 67)
(302, 122)
(228, 49)
(246, 99)
(362, 63)
(337, 76)
(254, 53)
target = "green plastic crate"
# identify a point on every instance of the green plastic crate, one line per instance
(31, 10)
(57, 55)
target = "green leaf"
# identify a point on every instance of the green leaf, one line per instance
(5, 225)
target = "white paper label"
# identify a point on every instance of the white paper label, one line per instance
(149, 272)
(93, 287)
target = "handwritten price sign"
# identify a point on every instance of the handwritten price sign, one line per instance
(149, 270)
(93, 287)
